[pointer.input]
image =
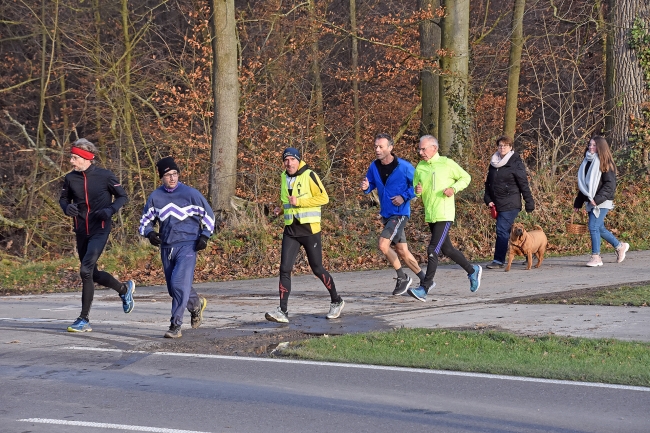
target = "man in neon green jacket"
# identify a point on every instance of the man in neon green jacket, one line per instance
(437, 179)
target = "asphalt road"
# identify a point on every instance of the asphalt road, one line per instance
(119, 377)
(52, 389)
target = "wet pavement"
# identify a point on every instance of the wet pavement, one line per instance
(235, 310)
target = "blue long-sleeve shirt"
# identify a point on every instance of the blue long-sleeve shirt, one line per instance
(400, 182)
(182, 214)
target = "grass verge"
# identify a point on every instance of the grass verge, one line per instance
(487, 351)
(628, 296)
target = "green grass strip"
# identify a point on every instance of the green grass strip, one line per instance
(551, 357)
(638, 296)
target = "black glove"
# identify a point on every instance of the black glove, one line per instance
(72, 210)
(529, 209)
(104, 214)
(154, 238)
(201, 243)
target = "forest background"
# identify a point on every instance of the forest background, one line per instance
(136, 78)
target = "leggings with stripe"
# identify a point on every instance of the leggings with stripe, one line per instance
(440, 243)
(314, 249)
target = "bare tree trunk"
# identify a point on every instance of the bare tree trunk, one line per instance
(126, 91)
(624, 85)
(317, 91)
(355, 74)
(63, 89)
(96, 55)
(514, 68)
(429, 81)
(225, 89)
(453, 127)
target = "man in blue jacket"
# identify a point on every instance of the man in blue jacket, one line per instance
(393, 179)
(186, 222)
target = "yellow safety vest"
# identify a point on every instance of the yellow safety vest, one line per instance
(301, 188)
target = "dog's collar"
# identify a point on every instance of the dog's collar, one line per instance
(523, 241)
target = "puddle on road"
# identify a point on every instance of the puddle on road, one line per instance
(262, 338)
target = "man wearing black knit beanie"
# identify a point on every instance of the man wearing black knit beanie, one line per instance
(186, 222)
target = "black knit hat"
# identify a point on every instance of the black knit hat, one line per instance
(165, 165)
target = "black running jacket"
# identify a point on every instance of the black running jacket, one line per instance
(92, 190)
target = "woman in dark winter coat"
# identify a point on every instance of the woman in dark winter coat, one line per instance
(596, 187)
(506, 183)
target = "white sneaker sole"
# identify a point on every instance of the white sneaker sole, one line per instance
(593, 265)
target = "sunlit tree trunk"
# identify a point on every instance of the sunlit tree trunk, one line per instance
(96, 56)
(317, 92)
(453, 127)
(514, 68)
(126, 93)
(225, 89)
(624, 85)
(355, 72)
(429, 80)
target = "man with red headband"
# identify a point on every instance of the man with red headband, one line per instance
(87, 197)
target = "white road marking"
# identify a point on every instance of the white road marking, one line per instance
(376, 367)
(106, 425)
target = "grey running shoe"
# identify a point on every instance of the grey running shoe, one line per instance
(174, 332)
(495, 265)
(402, 285)
(335, 309)
(197, 315)
(278, 316)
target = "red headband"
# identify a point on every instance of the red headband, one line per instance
(82, 153)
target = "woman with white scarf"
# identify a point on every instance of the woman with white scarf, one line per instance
(596, 187)
(505, 184)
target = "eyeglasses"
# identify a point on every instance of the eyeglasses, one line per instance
(503, 146)
(421, 149)
(171, 175)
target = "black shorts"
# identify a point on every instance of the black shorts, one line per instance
(394, 228)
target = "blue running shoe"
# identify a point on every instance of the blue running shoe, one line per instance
(419, 293)
(80, 325)
(127, 298)
(475, 278)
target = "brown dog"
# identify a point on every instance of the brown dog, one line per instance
(527, 243)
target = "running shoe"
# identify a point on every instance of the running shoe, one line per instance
(278, 316)
(475, 278)
(127, 298)
(419, 293)
(80, 325)
(335, 309)
(402, 285)
(197, 315)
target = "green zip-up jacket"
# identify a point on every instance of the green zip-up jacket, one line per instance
(436, 175)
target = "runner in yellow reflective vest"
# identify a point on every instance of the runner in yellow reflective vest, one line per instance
(302, 194)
